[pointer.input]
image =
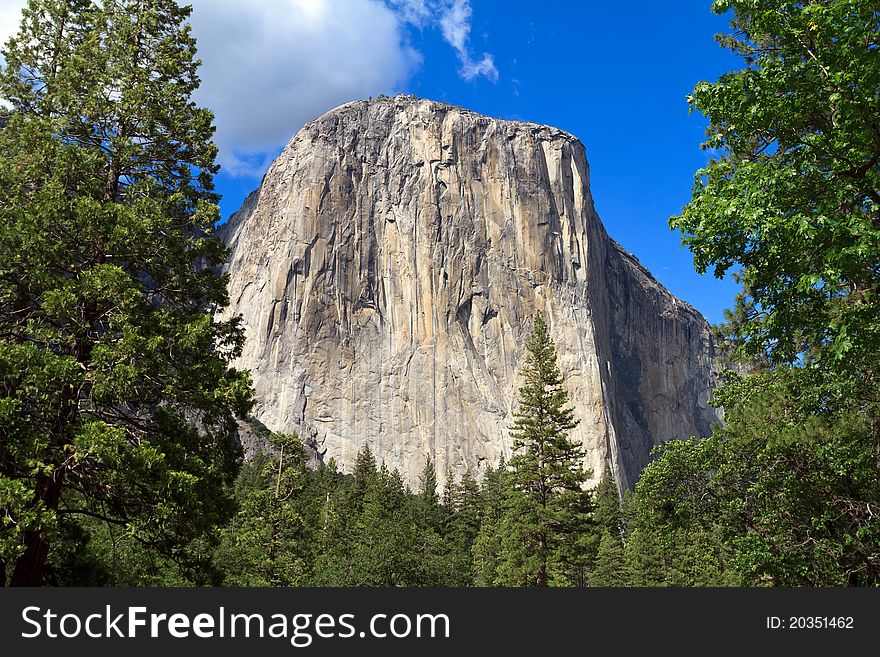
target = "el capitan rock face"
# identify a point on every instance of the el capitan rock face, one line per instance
(388, 269)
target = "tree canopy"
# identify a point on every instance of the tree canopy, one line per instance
(117, 400)
(787, 491)
(791, 200)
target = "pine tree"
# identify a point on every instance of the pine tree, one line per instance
(339, 523)
(117, 401)
(268, 541)
(610, 568)
(333, 543)
(365, 471)
(449, 499)
(428, 500)
(463, 527)
(486, 550)
(642, 551)
(385, 536)
(643, 559)
(431, 520)
(468, 512)
(608, 514)
(547, 512)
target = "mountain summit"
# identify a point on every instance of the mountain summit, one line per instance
(389, 267)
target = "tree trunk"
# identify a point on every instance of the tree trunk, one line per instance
(29, 566)
(542, 570)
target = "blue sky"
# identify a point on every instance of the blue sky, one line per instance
(616, 75)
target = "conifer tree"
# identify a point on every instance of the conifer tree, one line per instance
(451, 491)
(486, 549)
(336, 521)
(547, 512)
(431, 517)
(608, 514)
(642, 550)
(428, 500)
(385, 536)
(462, 528)
(365, 470)
(466, 523)
(493, 489)
(116, 396)
(610, 568)
(268, 541)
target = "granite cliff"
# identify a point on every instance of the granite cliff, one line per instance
(388, 269)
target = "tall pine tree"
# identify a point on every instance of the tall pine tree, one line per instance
(608, 514)
(116, 396)
(428, 500)
(268, 542)
(486, 550)
(547, 511)
(610, 567)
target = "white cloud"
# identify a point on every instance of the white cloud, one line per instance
(271, 65)
(454, 19)
(268, 66)
(486, 66)
(455, 22)
(416, 12)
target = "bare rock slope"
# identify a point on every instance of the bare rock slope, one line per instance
(388, 269)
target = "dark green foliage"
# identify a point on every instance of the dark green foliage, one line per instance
(463, 526)
(364, 473)
(369, 532)
(117, 401)
(384, 536)
(610, 566)
(608, 514)
(88, 552)
(487, 545)
(786, 492)
(643, 556)
(332, 550)
(268, 541)
(546, 511)
(782, 495)
(466, 519)
(792, 202)
(806, 479)
(430, 512)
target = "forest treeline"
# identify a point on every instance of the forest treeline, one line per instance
(299, 526)
(527, 522)
(119, 401)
